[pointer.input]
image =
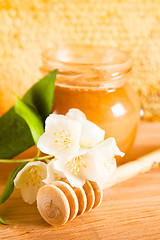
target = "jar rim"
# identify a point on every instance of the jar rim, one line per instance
(96, 65)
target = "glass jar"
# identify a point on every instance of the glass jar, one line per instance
(94, 80)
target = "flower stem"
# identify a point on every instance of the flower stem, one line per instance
(37, 158)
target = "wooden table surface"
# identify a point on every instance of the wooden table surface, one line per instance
(130, 210)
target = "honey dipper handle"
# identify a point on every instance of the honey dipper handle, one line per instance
(131, 169)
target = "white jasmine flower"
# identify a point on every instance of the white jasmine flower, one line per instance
(52, 173)
(91, 134)
(97, 164)
(61, 137)
(29, 180)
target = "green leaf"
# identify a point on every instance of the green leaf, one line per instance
(10, 183)
(15, 135)
(3, 221)
(32, 118)
(41, 95)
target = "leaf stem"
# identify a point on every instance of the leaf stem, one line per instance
(37, 158)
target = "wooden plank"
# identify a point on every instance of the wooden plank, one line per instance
(130, 210)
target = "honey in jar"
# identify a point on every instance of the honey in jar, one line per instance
(94, 80)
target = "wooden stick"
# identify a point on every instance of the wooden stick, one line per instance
(131, 169)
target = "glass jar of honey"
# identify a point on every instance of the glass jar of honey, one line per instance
(94, 80)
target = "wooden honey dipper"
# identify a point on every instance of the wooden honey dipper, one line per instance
(59, 202)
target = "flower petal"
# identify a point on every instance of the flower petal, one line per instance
(97, 170)
(18, 181)
(89, 167)
(76, 114)
(107, 149)
(97, 164)
(91, 133)
(75, 181)
(106, 168)
(29, 192)
(61, 137)
(52, 173)
(29, 180)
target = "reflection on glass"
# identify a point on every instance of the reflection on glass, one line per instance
(118, 110)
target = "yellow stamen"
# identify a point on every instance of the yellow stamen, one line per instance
(62, 139)
(33, 176)
(76, 164)
(110, 161)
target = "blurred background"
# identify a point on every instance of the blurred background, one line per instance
(27, 28)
